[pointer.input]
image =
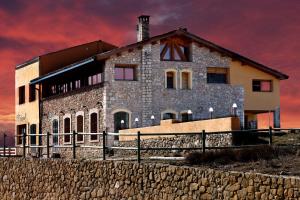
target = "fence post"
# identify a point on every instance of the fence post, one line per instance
(270, 136)
(139, 146)
(103, 145)
(48, 146)
(9, 150)
(4, 144)
(24, 144)
(203, 141)
(74, 144)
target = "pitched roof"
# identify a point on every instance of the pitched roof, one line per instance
(206, 43)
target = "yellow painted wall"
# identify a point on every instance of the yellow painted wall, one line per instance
(242, 75)
(170, 126)
(27, 113)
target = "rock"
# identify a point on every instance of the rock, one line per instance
(234, 187)
(193, 186)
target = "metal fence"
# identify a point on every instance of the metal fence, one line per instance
(74, 145)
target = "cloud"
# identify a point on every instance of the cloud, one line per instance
(266, 31)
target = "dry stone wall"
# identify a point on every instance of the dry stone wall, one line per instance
(75, 179)
(186, 141)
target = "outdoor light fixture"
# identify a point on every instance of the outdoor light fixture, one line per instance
(211, 110)
(234, 108)
(190, 115)
(136, 120)
(152, 119)
(122, 124)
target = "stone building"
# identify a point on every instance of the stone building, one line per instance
(97, 86)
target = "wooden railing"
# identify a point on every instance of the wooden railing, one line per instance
(74, 145)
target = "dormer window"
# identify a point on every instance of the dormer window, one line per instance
(174, 49)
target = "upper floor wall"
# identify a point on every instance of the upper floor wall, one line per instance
(258, 97)
(26, 103)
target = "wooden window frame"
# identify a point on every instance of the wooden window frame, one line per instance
(32, 93)
(80, 113)
(22, 94)
(190, 79)
(52, 129)
(174, 71)
(217, 70)
(175, 45)
(263, 80)
(126, 66)
(64, 137)
(94, 111)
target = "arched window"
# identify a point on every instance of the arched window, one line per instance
(171, 79)
(169, 114)
(55, 140)
(186, 79)
(79, 128)
(94, 126)
(67, 129)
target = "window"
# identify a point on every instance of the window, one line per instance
(21, 130)
(186, 80)
(125, 73)
(33, 131)
(174, 49)
(67, 129)
(217, 75)
(169, 116)
(77, 84)
(95, 79)
(170, 79)
(31, 93)
(94, 126)
(22, 94)
(121, 121)
(55, 139)
(262, 86)
(79, 122)
(184, 117)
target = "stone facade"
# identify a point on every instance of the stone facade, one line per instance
(85, 102)
(74, 179)
(146, 95)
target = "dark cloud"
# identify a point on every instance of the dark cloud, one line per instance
(265, 31)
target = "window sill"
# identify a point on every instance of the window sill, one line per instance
(186, 61)
(263, 91)
(219, 83)
(94, 141)
(126, 80)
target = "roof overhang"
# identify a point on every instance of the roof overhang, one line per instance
(202, 42)
(62, 71)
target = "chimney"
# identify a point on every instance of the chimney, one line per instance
(143, 28)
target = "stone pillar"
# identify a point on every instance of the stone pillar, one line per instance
(146, 79)
(276, 117)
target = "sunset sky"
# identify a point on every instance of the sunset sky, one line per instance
(267, 31)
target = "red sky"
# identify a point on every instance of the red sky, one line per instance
(265, 31)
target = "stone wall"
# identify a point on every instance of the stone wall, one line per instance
(74, 179)
(187, 141)
(148, 96)
(86, 101)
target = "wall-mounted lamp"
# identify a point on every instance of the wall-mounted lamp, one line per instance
(122, 124)
(190, 115)
(234, 109)
(152, 119)
(136, 120)
(211, 110)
